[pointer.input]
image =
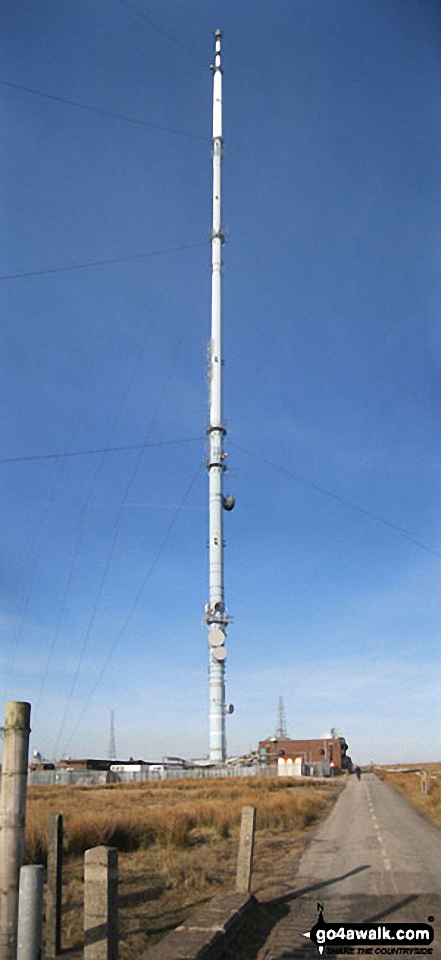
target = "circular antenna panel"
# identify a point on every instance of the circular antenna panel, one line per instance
(219, 653)
(216, 638)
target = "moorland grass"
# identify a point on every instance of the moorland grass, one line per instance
(177, 843)
(409, 784)
(130, 816)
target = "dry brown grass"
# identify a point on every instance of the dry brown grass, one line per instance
(130, 816)
(409, 784)
(177, 841)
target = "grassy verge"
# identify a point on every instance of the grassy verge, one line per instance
(409, 783)
(177, 841)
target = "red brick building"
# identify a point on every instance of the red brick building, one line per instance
(311, 751)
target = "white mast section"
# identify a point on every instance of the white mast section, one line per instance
(215, 613)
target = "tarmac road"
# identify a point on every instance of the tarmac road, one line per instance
(374, 857)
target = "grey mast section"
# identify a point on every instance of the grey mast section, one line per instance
(215, 615)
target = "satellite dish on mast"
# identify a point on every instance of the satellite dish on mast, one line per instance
(219, 653)
(216, 638)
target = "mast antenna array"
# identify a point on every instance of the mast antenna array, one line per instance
(216, 617)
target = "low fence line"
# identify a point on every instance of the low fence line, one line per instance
(97, 777)
(66, 777)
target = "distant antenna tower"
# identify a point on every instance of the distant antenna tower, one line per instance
(281, 722)
(112, 745)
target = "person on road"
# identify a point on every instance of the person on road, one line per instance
(358, 773)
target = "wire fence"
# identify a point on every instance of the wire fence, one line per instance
(66, 777)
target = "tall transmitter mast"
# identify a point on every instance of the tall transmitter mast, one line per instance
(215, 613)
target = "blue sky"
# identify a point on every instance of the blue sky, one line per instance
(332, 343)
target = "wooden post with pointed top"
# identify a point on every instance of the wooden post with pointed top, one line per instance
(54, 886)
(12, 820)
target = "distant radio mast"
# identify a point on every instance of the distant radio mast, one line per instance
(215, 612)
(112, 745)
(281, 720)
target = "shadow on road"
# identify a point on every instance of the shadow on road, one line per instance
(392, 908)
(318, 886)
(256, 932)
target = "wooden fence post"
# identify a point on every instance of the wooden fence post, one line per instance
(101, 904)
(246, 847)
(54, 886)
(12, 820)
(424, 783)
